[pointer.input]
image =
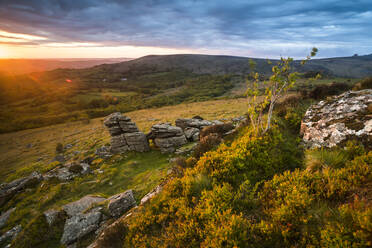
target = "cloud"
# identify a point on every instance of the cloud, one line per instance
(266, 28)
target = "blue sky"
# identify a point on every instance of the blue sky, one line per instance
(266, 28)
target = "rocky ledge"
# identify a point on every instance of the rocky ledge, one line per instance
(339, 119)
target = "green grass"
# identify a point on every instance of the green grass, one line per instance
(138, 171)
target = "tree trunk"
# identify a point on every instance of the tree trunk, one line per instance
(269, 115)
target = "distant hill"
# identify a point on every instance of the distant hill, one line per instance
(23, 66)
(354, 67)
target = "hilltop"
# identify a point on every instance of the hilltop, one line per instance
(354, 67)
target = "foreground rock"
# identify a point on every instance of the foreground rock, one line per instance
(342, 118)
(80, 225)
(8, 190)
(90, 214)
(11, 234)
(125, 135)
(83, 218)
(167, 137)
(121, 203)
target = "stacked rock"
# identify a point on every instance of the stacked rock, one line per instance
(192, 127)
(125, 135)
(167, 137)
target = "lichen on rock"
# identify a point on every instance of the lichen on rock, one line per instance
(333, 122)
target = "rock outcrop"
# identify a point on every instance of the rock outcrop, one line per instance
(333, 122)
(125, 135)
(8, 190)
(167, 137)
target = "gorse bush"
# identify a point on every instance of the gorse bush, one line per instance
(256, 192)
(298, 204)
(208, 205)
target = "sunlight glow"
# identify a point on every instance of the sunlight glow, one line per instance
(90, 51)
(4, 52)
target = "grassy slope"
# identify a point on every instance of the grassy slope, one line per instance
(16, 154)
(140, 172)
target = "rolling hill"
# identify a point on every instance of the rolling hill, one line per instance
(354, 67)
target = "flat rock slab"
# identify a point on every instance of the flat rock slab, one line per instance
(79, 206)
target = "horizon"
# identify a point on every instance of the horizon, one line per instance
(38, 29)
(133, 58)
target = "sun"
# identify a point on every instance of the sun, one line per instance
(4, 52)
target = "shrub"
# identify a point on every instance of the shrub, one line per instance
(321, 158)
(351, 228)
(191, 162)
(114, 235)
(98, 103)
(206, 143)
(364, 84)
(288, 102)
(297, 204)
(181, 161)
(322, 91)
(220, 129)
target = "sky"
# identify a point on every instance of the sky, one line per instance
(126, 28)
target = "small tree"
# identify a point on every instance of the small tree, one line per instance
(278, 84)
